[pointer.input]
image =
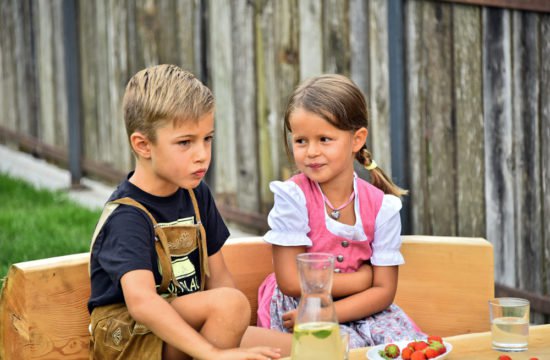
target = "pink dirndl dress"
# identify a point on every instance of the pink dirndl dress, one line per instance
(389, 325)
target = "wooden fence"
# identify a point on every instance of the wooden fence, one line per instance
(477, 100)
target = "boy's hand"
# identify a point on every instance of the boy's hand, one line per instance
(289, 319)
(254, 353)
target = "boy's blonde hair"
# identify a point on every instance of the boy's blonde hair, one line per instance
(163, 93)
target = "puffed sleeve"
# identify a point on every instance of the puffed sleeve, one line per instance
(387, 234)
(288, 218)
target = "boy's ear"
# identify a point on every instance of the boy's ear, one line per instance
(359, 139)
(140, 144)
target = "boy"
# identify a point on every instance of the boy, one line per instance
(160, 235)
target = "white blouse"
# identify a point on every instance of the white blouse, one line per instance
(288, 221)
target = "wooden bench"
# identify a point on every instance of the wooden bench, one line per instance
(444, 286)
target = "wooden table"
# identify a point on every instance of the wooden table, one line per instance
(477, 346)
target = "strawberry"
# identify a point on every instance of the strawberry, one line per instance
(434, 338)
(392, 351)
(431, 353)
(504, 357)
(420, 345)
(407, 353)
(533, 358)
(418, 355)
(437, 346)
(411, 344)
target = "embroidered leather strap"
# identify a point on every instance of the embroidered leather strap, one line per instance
(203, 249)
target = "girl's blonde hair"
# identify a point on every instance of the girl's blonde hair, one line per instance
(163, 93)
(339, 101)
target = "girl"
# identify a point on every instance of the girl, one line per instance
(327, 208)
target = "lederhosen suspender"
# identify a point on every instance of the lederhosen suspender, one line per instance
(162, 243)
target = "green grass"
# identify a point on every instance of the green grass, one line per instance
(36, 224)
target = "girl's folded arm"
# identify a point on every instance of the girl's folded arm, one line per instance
(286, 268)
(345, 284)
(375, 299)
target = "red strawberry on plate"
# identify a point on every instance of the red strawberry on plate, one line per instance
(407, 353)
(392, 351)
(434, 338)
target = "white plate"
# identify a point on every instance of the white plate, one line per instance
(372, 354)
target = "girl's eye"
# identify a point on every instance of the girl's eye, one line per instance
(184, 142)
(299, 141)
(209, 138)
(325, 139)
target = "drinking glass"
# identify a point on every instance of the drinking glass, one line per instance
(509, 323)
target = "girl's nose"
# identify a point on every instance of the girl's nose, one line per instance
(312, 150)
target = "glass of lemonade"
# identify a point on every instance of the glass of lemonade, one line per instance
(509, 323)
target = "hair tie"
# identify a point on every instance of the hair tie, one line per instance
(371, 166)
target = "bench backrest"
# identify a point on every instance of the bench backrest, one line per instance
(444, 286)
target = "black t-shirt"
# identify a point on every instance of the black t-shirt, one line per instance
(127, 242)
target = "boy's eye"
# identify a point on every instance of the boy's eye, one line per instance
(184, 142)
(325, 139)
(209, 138)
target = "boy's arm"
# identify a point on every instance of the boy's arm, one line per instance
(219, 274)
(150, 309)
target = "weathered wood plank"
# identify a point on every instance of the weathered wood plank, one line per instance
(61, 118)
(146, 26)
(102, 97)
(531, 5)
(526, 132)
(244, 84)
(286, 77)
(221, 75)
(263, 29)
(437, 33)
(118, 75)
(468, 99)
(166, 32)
(277, 74)
(336, 47)
(8, 82)
(25, 89)
(46, 81)
(88, 70)
(498, 135)
(545, 145)
(416, 103)
(379, 96)
(265, 97)
(311, 38)
(186, 17)
(359, 44)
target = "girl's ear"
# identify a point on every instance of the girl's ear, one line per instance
(359, 139)
(141, 145)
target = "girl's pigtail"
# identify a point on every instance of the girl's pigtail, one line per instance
(378, 176)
